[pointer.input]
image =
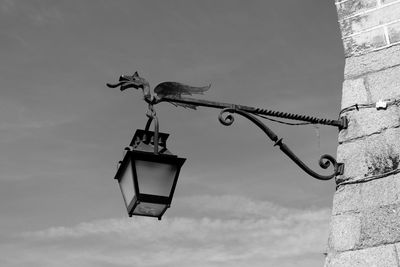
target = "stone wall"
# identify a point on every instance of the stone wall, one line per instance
(365, 225)
(367, 25)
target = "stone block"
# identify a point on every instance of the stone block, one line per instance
(351, 7)
(352, 156)
(372, 62)
(354, 92)
(370, 156)
(381, 192)
(368, 121)
(384, 84)
(364, 42)
(345, 232)
(382, 256)
(394, 32)
(380, 226)
(363, 22)
(347, 199)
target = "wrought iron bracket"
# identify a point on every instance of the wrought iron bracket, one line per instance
(248, 112)
(324, 162)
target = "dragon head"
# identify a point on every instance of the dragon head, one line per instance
(127, 81)
(133, 81)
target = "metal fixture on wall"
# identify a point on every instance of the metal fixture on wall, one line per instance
(149, 142)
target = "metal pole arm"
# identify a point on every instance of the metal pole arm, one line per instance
(341, 123)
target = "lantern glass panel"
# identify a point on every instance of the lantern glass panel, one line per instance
(155, 178)
(127, 185)
(149, 209)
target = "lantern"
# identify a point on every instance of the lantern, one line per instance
(147, 177)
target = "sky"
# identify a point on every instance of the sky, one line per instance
(239, 201)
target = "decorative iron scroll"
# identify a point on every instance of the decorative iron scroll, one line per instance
(324, 162)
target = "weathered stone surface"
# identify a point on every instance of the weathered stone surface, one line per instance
(370, 156)
(345, 232)
(355, 166)
(380, 226)
(369, 20)
(397, 246)
(374, 61)
(383, 256)
(364, 42)
(368, 121)
(394, 32)
(366, 213)
(355, 198)
(387, 1)
(352, 7)
(380, 192)
(354, 92)
(347, 199)
(384, 84)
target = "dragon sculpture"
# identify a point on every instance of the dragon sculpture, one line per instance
(164, 89)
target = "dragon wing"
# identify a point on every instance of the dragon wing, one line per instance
(175, 89)
(178, 89)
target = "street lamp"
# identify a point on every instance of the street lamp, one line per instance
(147, 176)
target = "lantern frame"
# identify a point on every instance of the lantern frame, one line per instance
(142, 143)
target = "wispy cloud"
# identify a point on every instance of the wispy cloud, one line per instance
(45, 15)
(256, 234)
(14, 116)
(6, 6)
(38, 12)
